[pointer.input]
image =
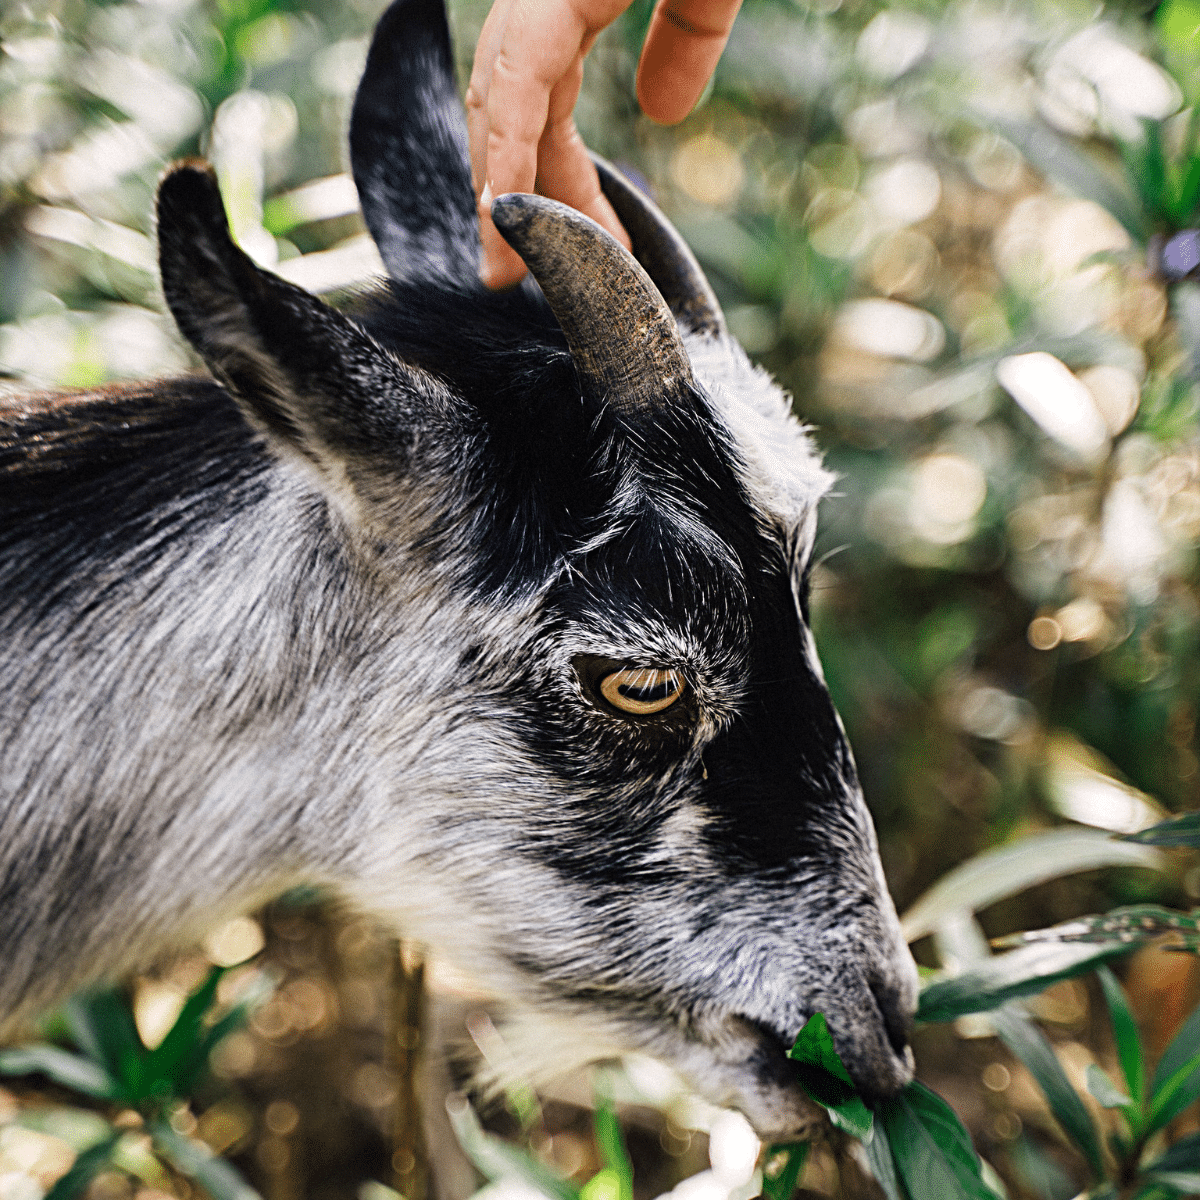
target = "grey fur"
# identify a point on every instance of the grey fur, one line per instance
(290, 675)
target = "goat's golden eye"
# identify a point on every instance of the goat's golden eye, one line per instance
(641, 690)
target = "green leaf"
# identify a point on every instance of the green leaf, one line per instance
(1104, 1090)
(932, 1152)
(168, 1065)
(826, 1080)
(781, 1183)
(85, 1168)
(62, 1067)
(882, 1163)
(1030, 1046)
(1183, 1156)
(1184, 830)
(814, 1047)
(1022, 972)
(1186, 1183)
(495, 1159)
(1181, 1051)
(852, 1117)
(103, 1026)
(219, 1178)
(610, 1142)
(1178, 22)
(604, 1185)
(1006, 870)
(1175, 1094)
(1188, 195)
(1037, 1171)
(1131, 925)
(1125, 1034)
(1145, 163)
(193, 1064)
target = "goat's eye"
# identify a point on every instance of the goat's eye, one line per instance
(641, 690)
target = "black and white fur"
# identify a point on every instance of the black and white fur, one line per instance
(322, 621)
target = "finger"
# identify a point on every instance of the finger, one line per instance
(476, 98)
(499, 265)
(680, 53)
(565, 172)
(541, 43)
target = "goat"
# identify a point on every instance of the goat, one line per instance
(487, 611)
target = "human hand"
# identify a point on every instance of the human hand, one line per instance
(526, 79)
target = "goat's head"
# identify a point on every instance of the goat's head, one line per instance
(624, 792)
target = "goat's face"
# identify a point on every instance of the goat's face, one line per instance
(617, 769)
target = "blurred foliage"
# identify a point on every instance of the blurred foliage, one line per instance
(153, 1084)
(935, 223)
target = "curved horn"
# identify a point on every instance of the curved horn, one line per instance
(623, 338)
(665, 255)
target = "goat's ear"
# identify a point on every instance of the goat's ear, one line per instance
(408, 149)
(304, 373)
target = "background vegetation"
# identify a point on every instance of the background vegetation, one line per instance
(941, 225)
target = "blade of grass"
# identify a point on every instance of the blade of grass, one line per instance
(1184, 1183)
(1021, 972)
(1183, 1156)
(604, 1185)
(782, 1183)
(1176, 1092)
(1125, 1034)
(102, 1023)
(1103, 1090)
(1030, 1046)
(609, 1139)
(182, 1039)
(1037, 1170)
(85, 1168)
(1062, 161)
(1148, 168)
(196, 1061)
(62, 1067)
(220, 1179)
(1189, 193)
(1181, 1047)
(1131, 924)
(495, 1159)
(1006, 870)
(1179, 831)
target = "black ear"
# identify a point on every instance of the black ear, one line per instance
(408, 149)
(307, 375)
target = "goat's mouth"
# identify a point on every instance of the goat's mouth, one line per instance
(875, 1051)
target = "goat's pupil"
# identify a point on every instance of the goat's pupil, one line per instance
(641, 690)
(648, 693)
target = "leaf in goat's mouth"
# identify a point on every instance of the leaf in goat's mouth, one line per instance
(827, 1081)
(917, 1150)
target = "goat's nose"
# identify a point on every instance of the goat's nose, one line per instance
(871, 1033)
(869, 1011)
(897, 1012)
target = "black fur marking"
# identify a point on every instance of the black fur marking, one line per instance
(115, 475)
(779, 776)
(408, 149)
